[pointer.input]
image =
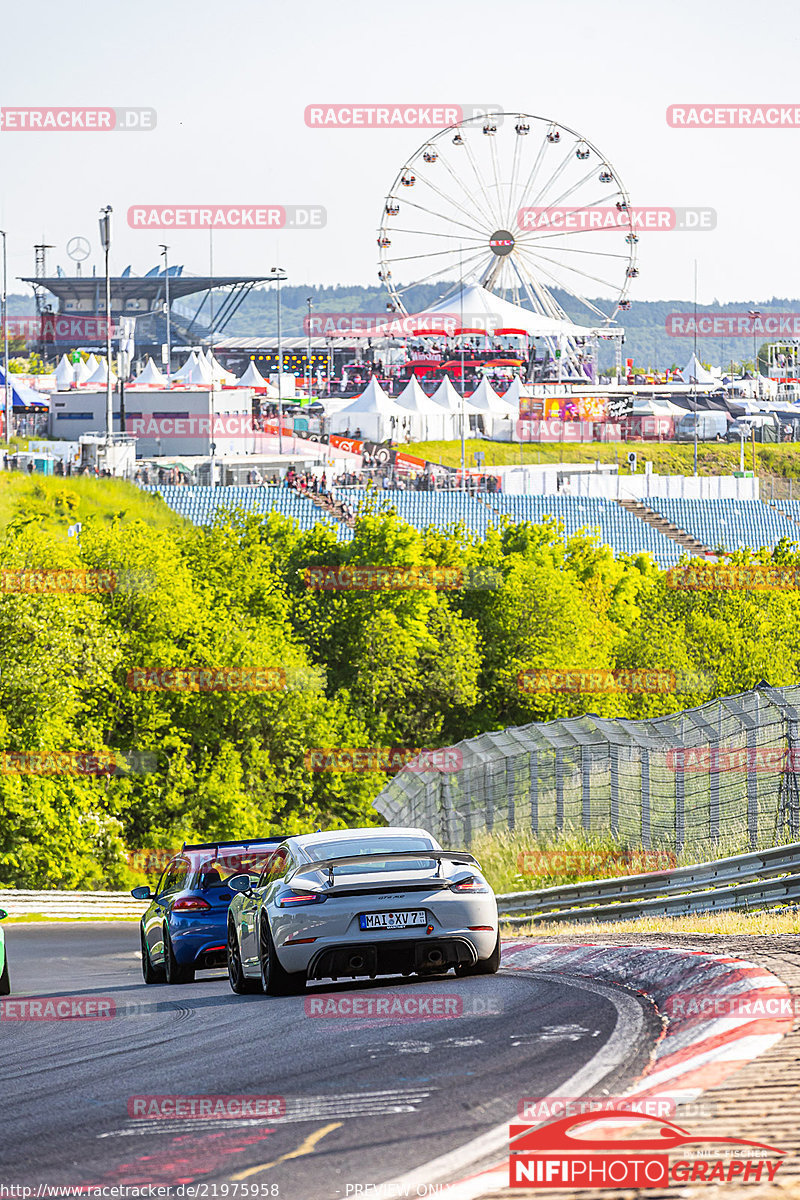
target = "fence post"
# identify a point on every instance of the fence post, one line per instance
(645, 760)
(533, 758)
(510, 785)
(680, 810)
(614, 773)
(586, 793)
(714, 796)
(752, 788)
(559, 791)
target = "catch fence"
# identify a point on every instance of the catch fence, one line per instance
(727, 770)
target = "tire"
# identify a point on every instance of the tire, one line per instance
(275, 980)
(484, 966)
(5, 981)
(150, 974)
(236, 976)
(175, 971)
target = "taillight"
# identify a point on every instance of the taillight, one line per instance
(191, 904)
(470, 885)
(295, 899)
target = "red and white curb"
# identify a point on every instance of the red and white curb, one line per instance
(697, 1050)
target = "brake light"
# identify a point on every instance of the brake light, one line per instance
(191, 904)
(296, 899)
(470, 885)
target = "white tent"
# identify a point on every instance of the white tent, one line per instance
(194, 373)
(695, 372)
(487, 400)
(150, 376)
(496, 413)
(372, 413)
(220, 374)
(100, 374)
(65, 374)
(428, 420)
(482, 309)
(513, 393)
(447, 396)
(187, 369)
(83, 371)
(252, 377)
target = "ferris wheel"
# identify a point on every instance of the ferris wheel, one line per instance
(526, 206)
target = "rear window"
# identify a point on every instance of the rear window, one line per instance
(229, 861)
(347, 849)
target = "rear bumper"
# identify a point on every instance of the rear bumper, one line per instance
(398, 957)
(201, 941)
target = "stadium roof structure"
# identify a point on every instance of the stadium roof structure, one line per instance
(141, 295)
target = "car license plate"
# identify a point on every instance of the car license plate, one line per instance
(392, 920)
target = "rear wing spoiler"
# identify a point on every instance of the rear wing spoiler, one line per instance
(265, 841)
(330, 864)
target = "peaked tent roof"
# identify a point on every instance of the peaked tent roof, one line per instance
(414, 399)
(448, 398)
(187, 368)
(101, 373)
(695, 372)
(491, 312)
(220, 372)
(151, 375)
(513, 393)
(374, 400)
(65, 374)
(83, 371)
(487, 399)
(252, 377)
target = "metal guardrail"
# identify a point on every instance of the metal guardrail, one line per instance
(743, 881)
(101, 905)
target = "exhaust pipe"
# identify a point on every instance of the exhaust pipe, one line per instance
(356, 962)
(435, 957)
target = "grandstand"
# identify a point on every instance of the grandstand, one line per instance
(728, 524)
(717, 524)
(200, 505)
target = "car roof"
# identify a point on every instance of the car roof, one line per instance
(300, 841)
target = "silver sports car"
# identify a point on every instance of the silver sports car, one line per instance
(360, 902)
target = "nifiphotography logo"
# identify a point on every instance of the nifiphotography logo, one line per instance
(555, 1156)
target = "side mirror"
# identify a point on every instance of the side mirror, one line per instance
(141, 893)
(3, 913)
(239, 883)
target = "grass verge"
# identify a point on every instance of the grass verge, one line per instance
(766, 922)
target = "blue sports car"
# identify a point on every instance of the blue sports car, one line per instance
(183, 929)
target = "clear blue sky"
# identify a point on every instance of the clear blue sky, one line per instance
(230, 83)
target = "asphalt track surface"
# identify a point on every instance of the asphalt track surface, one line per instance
(367, 1099)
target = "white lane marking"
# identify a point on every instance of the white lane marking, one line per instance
(626, 1032)
(302, 1108)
